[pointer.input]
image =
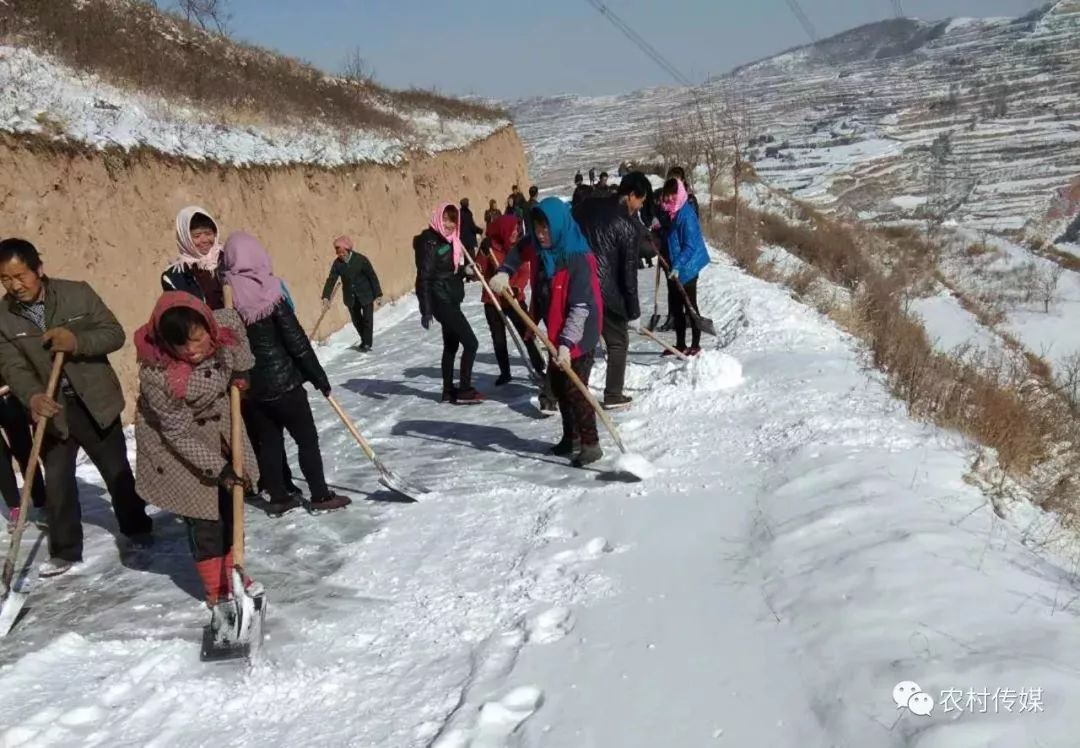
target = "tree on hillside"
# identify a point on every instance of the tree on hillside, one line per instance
(356, 68)
(207, 13)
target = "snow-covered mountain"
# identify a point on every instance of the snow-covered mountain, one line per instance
(979, 118)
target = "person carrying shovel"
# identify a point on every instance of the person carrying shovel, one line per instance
(574, 320)
(188, 358)
(688, 255)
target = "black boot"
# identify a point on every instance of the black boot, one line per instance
(566, 447)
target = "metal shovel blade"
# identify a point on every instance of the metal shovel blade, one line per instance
(12, 607)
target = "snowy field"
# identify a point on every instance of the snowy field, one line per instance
(804, 549)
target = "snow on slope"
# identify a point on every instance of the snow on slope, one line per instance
(40, 95)
(804, 548)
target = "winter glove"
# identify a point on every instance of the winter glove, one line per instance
(499, 283)
(324, 388)
(425, 321)
(674, 274)
(634, 325)
(325, 304)
(228, 479)
(563, 360)
(60, 340)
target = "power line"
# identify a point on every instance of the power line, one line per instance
(804, 20)
(641, 43)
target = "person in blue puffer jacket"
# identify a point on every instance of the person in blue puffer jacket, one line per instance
(688, 255)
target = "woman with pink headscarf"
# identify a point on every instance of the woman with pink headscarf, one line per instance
(440, 289)
(276, 401)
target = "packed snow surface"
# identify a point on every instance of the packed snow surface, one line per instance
(41, 95)
(803, 549)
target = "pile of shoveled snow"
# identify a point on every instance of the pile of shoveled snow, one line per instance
(38, 94)
(710, 371)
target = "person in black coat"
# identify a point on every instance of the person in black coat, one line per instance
(614, 233)
(469, 230)
(275, 400)
(440, 290)
(582, 191)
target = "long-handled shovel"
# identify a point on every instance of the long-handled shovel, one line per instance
(318, 322)
(633, 464)
(536, 376)
(654, 320)
(703, 323)
(250, 609)
(14, 600)
(673, 351)
(386, 476)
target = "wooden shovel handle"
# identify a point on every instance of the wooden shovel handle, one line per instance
(569, 372)
(352, 428)
(318, 322)
(237, 449)
(31, 473)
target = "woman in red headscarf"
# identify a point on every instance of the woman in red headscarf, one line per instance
(502, 234)
(440, 289)
(188, 357)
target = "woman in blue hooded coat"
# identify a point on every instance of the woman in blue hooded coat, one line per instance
(688, 255)
(574, 318)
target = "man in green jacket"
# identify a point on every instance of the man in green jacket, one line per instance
(40, 317)
(360, 288)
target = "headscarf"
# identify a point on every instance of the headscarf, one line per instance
(673, 206)
(346, 240)
(256, 290)
(500, 231)
(455, 238)
(566, 236)
(189, 256)
(151, 351)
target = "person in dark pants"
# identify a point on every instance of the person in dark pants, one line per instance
(284, 360)
(689, 255)
(615, 234)
(502, 235)
(469, 230)
(440, 290)
(360, 288)
(16, 442)
(189, 356)
(197, 270)
(40, 317)
(575, 313)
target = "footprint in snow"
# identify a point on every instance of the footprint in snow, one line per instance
(500, 719)
(551, 626)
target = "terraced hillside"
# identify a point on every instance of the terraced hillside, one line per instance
(969, 120)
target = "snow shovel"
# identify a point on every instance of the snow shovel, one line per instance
(673, 351)
(518, 343)
(247, 636)
(318, 322)
(386, 477)
(654, 320)
(632, 464)
(14, 600)
(702, 323)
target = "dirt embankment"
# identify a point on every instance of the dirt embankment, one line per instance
(108, 219)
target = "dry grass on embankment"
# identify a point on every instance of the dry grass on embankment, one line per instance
(1011, 406)
(130, 42)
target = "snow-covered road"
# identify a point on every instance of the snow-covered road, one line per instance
(804, 548)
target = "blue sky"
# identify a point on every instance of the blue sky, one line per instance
(513, 49)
